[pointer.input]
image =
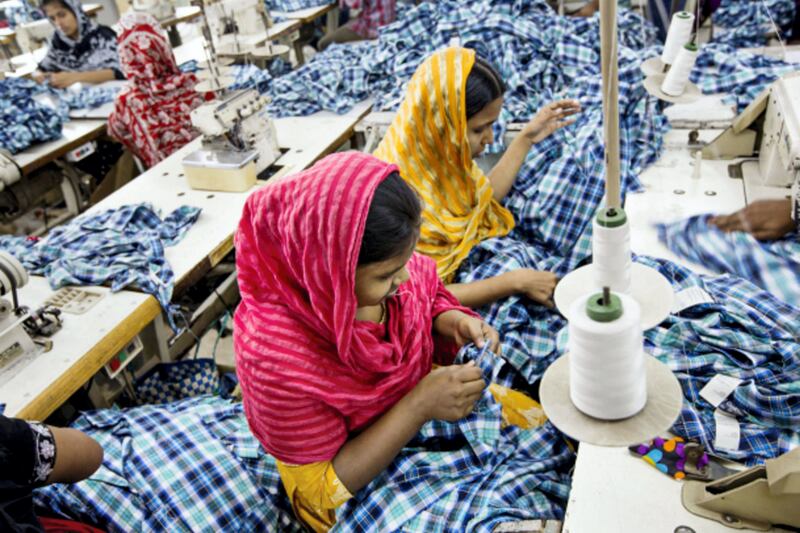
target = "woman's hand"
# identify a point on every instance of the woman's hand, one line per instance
(464, 328)
(39, 76)
(62, 80)
(550, 118)
(448, 392)
(534, 284)
(470, 329)
(765, 219)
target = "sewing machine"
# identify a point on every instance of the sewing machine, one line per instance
(770, 126)
(239, 142)
(18, 324)
(33, 35)
(160, 9)
(237, 26)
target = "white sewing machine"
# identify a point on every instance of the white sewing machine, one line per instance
(33, 35)
(16, 345)
(237, 26)
(769, 126)
(160, 9)
(239, 142)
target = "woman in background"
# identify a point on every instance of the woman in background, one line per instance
(444, 122)
(372, 14)
(151, 116)
(80, 50)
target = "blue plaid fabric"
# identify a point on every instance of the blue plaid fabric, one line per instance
(469, 475)
(123, 247)
(294, 5)
(740, 75)
(748, 22)
(747, 333)
(189, 466)
(774, 266)
(27, 119)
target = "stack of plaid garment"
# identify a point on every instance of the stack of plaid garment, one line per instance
(192, 465)
(745, 23)
(124, 247)
(746, 333)
(27, 119)
(774, 266)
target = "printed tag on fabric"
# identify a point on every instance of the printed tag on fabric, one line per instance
(690, 297)
(719, 388)
(727, 431)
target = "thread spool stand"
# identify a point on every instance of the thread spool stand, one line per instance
(606, 390)
(663, 393)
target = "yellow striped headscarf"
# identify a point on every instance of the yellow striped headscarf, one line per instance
(428, 142)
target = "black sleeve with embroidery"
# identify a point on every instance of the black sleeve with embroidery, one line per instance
(27, 456)
(27, 452)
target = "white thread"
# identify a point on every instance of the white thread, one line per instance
(678, 76)
(611, 257)
(607, 378)
(680, 33)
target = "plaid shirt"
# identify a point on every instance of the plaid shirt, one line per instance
(740, 75)
(747, 333)
(774, 266)
(746, 23)
(188, 466)
(286, 6)
(25, 121)
(124, 247)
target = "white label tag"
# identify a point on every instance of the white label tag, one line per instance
(690, 297)
(719, 388)
(727, 431)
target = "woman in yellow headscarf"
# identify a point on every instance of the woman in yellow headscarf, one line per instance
(445, 121)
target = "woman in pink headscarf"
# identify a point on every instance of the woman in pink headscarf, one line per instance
(339, 327)
(151, 117)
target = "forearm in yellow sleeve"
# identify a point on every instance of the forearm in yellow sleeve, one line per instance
(315, 492)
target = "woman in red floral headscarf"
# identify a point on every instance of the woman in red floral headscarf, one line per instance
(151, 117)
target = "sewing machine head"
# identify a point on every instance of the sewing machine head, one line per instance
(237, 25)
(770, 125)
(33, 35)
(779, 154)
(160, 9)
(237, 132)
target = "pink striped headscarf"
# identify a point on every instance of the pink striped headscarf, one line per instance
(310, 372)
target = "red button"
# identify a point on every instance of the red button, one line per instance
(114, 365)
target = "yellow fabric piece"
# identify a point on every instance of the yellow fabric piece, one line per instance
(315, 492)
(428, 142)
(518, 409)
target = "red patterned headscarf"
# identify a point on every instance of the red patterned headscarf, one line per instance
(151, 117)
(310, 372)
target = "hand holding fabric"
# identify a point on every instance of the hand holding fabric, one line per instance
(62, 80)
(764, 219)
(550, 118)
(535, 284)
(463, 329)
(448, 392)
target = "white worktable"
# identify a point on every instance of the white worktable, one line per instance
(307, 139)
(193, 50)
(73, 134)
(673, 193)
(615, 492)
(80, 348)
(309, 14)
